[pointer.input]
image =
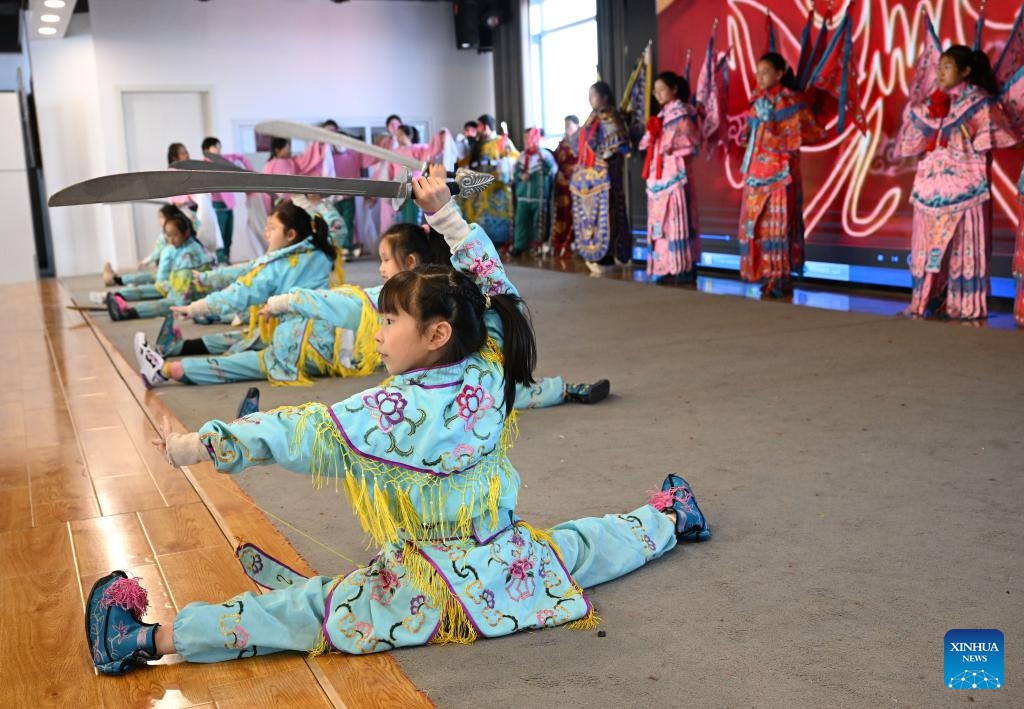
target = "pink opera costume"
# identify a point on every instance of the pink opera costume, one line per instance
(672, 138)
(952, 133)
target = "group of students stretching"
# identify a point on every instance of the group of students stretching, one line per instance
(422, 456)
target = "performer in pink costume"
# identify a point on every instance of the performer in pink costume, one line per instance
(953, 131)
(672, 138)
(282, 163)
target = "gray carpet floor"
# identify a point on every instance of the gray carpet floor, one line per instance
(863, 477)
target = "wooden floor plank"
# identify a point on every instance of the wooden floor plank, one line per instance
(75, 428)
(45, 658)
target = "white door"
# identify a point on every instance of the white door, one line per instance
(152, 121)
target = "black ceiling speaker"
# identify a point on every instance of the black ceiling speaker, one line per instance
(467, 24)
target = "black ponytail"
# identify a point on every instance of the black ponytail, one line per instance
(180, 220)
(306, 225)
(981, 74)
(788, 79)
(520, 348)
(437, 292)
(410, 240)
(675, 82)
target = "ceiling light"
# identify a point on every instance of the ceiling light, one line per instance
(50, 18)
(47, 30)
(55, 4)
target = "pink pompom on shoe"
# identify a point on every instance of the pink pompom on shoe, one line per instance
(129, 595)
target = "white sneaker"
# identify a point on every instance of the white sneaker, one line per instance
(150, 362)
(98, 297)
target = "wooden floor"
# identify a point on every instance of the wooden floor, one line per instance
(83, 492)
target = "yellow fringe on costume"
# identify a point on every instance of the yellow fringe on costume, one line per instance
(591, 619)
(379, 492)
(337, 277)
(454, 626)
(364, 356)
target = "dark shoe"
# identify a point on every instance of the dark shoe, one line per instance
(250, 404)
(118, 639)
(119, 309)
(677, 495)
(588, 393)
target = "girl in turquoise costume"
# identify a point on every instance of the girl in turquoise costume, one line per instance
(146, 265)
(299, 255)
(149, 295)
(436, 491)
(326, 332)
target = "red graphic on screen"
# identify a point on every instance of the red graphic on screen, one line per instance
(855, 192)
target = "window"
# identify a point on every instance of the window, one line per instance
(563, 62)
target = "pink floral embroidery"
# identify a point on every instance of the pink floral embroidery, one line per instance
(519, 583)
(473, 401)
(241, 637)
(459, 458)
(387, 406)
(387, 584)
(519, 568)
(121, 630)
(481, 267)
(545, 615)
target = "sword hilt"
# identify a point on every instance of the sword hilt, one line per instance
(462, 183)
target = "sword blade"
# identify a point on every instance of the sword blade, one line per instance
(226, 166)
(139, 186)
(300, 131)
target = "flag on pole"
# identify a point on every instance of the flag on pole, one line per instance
(1010, 73)
(636, 100)
(836, 75)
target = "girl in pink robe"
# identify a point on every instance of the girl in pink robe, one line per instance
(672, 137)
(282, 163)
(954, 131)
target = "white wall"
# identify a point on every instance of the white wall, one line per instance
(19, 249)
(260, 59)
(9, 64)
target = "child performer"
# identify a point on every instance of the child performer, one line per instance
(600, 222)
(224, 202)
(771, 233)
(532, 180)
(424, 461)
(329, 333)
(112, 278)
(153, 294)
(300, 255)
(672, 137)
(565, 157)
(281, 162)
(954, 130)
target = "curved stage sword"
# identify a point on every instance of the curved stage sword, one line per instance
(140, 186)
(313, 134)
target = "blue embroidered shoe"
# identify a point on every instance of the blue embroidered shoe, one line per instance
(250, 404)
(677, 495)
(168, 340)
(118, 639)
(588, 393)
